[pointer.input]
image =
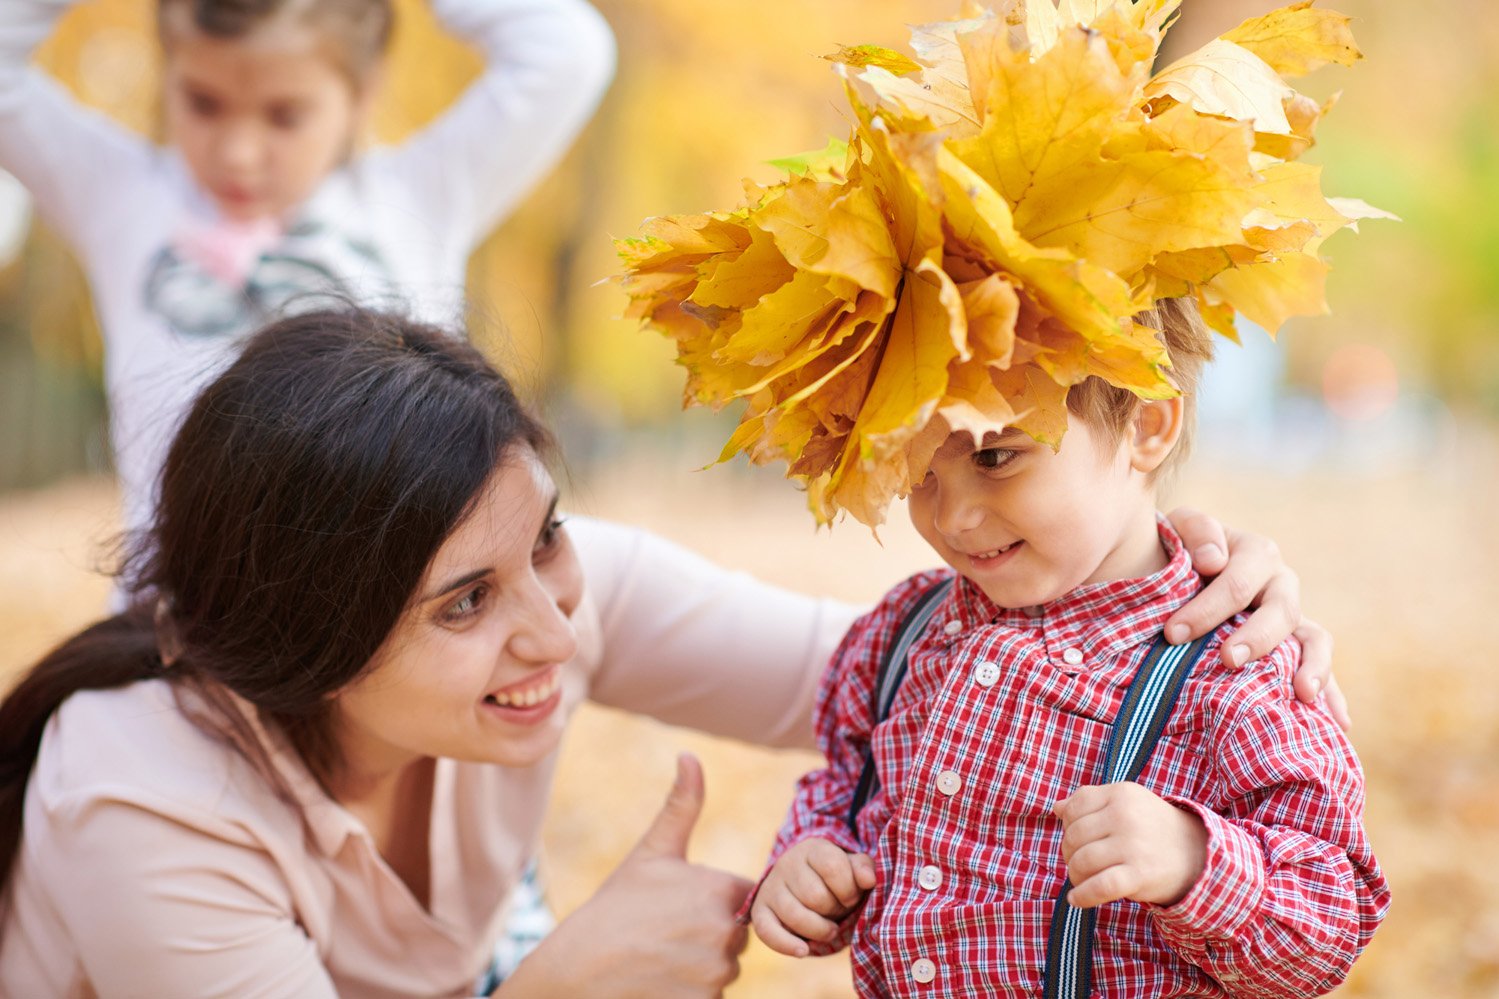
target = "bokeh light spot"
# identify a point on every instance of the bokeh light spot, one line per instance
(1359, 382)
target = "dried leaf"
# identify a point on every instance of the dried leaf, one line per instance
(1227, 80)
(827, 163)
(875, 55)
(1296, 40)
(1272, 291)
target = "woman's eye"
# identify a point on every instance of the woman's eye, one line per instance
(466, 605)
(994, 457)
(550, 535)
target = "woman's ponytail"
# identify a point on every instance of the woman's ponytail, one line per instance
(111, 653)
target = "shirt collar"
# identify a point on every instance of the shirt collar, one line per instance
(1107, 616)
(328, 822)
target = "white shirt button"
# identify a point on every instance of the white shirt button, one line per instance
(949, 782)
(930, 877)
(986, 674)
(923, 971)
(1073, 657)
(953, 627)
(1034, 610)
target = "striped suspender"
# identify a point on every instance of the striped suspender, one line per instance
(1147, 706)
(888, 680)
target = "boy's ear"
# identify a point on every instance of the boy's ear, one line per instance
(1157, 427)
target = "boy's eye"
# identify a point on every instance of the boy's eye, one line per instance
(994, 457)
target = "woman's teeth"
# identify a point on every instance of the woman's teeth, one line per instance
(529, 697)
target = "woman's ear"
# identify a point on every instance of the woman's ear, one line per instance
(1157, 428)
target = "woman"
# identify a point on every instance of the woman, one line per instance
(275, 776)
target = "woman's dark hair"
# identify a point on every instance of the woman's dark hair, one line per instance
(301, 501)
(360, 29)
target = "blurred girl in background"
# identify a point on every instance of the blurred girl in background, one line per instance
(261, 195)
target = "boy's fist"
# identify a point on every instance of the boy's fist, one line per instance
(811, 887)
(1123, 841)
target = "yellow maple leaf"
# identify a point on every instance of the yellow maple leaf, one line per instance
(1227, 80)
(875, 55)
(1271, 291)
(1296, 40)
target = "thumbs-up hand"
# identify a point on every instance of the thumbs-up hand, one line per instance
(669, 832)
(658, 926)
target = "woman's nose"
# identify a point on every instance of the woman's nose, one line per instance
(544, 632)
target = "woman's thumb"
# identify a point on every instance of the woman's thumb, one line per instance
(669, 832)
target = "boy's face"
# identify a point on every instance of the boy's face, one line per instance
(1028, 524)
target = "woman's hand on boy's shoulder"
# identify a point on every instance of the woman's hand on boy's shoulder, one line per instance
(1248, 573)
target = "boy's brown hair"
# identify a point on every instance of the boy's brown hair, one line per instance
(1189, 343)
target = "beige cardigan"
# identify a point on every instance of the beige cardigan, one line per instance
(156, 862)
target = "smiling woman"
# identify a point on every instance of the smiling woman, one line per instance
(356, 598)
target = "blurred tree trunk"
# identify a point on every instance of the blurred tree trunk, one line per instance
(51, 393)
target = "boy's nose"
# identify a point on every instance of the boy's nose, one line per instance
(955, 513)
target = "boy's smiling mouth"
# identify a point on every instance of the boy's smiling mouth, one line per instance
(993, 553)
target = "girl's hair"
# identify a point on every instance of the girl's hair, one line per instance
(359, 28)
(302, 499)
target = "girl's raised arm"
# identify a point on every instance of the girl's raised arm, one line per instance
(80, 166)
(546, 64)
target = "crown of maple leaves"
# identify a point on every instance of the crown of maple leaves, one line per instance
(1009, 200)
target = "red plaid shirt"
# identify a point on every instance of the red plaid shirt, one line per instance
(1003, 713)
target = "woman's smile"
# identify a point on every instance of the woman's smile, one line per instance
(530, 700)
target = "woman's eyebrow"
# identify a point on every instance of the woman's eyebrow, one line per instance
(477, 574)
(456, 584)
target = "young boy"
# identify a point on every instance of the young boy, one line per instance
(1235, 865)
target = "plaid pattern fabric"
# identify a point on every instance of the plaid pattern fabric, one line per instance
(1003, 713)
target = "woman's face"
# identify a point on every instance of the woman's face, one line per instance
(473, 669)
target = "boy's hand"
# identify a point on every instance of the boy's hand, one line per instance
(1123, 841)
(813, 886)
